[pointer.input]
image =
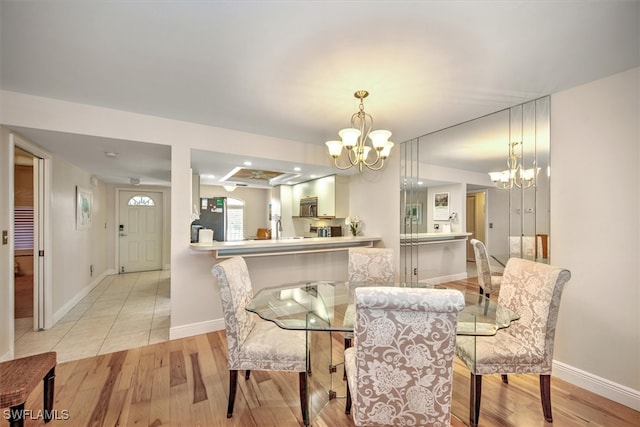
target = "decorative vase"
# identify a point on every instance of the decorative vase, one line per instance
(354, 230)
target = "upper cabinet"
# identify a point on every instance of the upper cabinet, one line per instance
(332, 193)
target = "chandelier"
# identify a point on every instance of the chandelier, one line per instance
(515, 175)
(354, 139)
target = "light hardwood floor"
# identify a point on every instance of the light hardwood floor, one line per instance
(184, 382)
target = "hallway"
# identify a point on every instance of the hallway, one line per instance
(122, 312)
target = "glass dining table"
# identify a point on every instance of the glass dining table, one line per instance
(319, 308)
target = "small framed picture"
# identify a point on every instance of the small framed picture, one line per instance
(413, 213)
(441, 206)
(84, 206)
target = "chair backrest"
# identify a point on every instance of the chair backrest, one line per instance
(371, 265)
(404, 342)
(482, 265)
(533, 290)
(235, 292)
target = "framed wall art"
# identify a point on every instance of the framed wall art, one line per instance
(84, 206)
(413, 213)
(441, 207)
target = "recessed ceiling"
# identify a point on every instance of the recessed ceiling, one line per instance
(289, 69)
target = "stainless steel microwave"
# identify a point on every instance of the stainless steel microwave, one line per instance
(309, 206)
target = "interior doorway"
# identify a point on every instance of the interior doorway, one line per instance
(476, 220)
(23, 242)
(32, 269)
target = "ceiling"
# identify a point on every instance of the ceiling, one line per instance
(289, 69)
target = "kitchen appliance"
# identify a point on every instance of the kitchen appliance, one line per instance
(195, 229)
(324, 231)
(309, 206)
(213, 215)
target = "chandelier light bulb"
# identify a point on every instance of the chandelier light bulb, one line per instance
(335, 148)
(386, 149)
(349, 137)
(379, 138)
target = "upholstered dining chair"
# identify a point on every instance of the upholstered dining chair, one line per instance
(400, 369)
(253, 343)
(489, 282)
(533, 291)
(367, 265)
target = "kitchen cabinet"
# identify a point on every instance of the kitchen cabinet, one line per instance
(332, 193)
(300, 191)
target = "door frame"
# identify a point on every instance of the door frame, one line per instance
(165, 222)
(42, 266)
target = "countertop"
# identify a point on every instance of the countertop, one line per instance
(433, 237)
(284, 245)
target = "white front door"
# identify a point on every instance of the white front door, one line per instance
(140, 231)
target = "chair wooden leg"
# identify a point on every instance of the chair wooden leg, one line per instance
(16, 415)
(475, 395)
(545, 396)
(347, 344)
(505, 379)
(49, 386)
(303, 398)
(233, 385)
(247, 374)
(347, 406)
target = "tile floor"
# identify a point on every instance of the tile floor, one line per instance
(123, 311)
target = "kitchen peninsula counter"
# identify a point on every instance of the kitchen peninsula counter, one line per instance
(287, 245)
(431, 238)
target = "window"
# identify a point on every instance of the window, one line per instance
(141, 200)
(23, 223)
(235, 219)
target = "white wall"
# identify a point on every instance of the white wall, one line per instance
(375, 198)
(595, 225)
(73, 250)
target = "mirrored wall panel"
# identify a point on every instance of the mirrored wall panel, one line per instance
(486, 179)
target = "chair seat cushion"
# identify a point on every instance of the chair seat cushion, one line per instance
(499, 354)
(271, 348)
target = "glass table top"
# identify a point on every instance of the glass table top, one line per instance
(322, 305)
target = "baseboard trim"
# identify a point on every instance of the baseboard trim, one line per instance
(618, 393)
(444, 279)
(62, 311)
(192, 329)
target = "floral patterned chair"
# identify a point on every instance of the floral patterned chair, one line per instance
(532, 290)
(252, 342)
(400, 369)
(367, 265)
(488, 281)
